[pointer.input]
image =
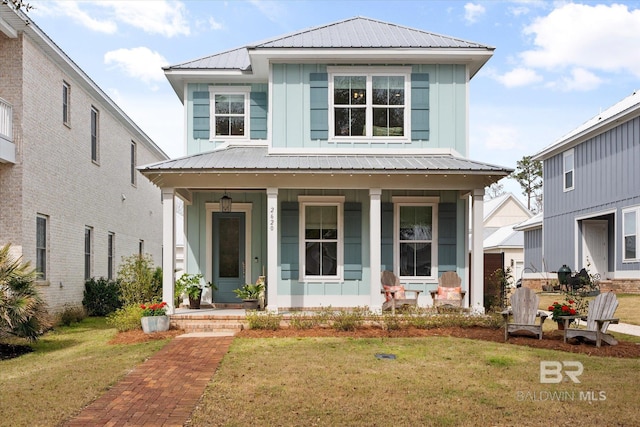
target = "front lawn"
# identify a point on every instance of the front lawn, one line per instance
(69, 368)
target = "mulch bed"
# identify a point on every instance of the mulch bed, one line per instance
(552, 340)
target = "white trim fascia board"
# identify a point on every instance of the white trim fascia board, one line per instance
(7, 29)
(437, 54)
(366, 151)
(597, 129)
(590, 215)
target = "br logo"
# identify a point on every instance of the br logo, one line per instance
(553, 372)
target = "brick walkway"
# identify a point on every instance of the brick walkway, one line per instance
(163, 391)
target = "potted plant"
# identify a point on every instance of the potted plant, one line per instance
(249, 294)
(192, 285)
(154, 317)
(566, 308)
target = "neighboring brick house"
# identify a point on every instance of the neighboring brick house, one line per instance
(591, 213)
(71, 199)
(342, 151)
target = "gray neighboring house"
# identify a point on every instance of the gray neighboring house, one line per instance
(592, 199)
(72, 201)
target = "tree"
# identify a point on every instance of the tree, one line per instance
(22, 311)
(494, 190)
(138, 280)
(528, 174)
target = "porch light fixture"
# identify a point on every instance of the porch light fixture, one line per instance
(225, 203)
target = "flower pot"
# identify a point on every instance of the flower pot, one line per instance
(194, 302)
(560, 325)
(250, 304)
(151, 324)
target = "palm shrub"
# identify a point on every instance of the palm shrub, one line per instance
(22, 310)
(136, 277)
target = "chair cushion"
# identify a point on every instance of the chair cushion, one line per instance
(449, 293)
(399, 294)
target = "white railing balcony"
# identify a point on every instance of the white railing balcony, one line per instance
(7, 147)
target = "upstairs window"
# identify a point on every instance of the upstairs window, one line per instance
(631, 232)
(568, 168)
(66, 103)
(230, 118)
(94, 134)
(369, 105)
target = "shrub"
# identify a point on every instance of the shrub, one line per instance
(263, 320)
(101, 296)
(305, 321)
(349, 320)
(136, 277)
(71, 314)
(23, 312)
(126, 318)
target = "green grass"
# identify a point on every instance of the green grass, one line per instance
(69, 368)
(440, 381)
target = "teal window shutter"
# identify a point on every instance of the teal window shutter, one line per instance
(386, 245)
(319, 102)
(290, 217)
(201, 115)
(447, 237)
(419, 106)
(352, 241)
(258, 115)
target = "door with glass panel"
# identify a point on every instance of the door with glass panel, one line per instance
(229, 264)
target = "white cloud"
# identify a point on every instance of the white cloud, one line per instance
(500, 137)
(140, 62)
(518, 77)
(579, 80)
(272, 10)
(158, 17)
(215, 25)
(472, 12)
(599, 37)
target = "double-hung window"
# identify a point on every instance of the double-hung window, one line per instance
(133, 159)
(94, 134)
(66, 103)
(111, 253)
(631, 234)
(41, 247)
(322, 247)
(369, 103)
(568, 169)
(230, 112)
(415, 234)
(88, 252)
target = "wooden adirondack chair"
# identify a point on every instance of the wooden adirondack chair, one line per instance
(600, 315)
(524, 310)
(449, 293)
(395, 293)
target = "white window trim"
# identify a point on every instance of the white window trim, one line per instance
(635, 210)
(230, 90)
(97, 116)
(369, 72)
(432, 202)
(91, 252)
(337, 201)
(566, 154)
(46, 247)
(66, 104)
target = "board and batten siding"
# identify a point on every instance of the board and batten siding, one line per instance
(606, 178)
(533, 249)
(297, 122)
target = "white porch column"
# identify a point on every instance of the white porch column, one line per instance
(272, 249)
(375, 237)
(477, 252)
(168, 247)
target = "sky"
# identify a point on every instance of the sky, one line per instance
(556, 63)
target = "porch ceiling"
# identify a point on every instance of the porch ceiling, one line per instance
(243, 167)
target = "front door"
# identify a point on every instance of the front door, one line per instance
(229, 266)
(595, 247)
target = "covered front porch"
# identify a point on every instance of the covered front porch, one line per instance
(275, 198)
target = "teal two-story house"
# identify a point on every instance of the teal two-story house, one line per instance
(320, 158)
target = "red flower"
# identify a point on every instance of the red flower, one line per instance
(550, 308)
(142, 306)
(571, 301)
(572, 311)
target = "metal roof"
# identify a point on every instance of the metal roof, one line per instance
(623, 110)
(358, 32)
(257, 158)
